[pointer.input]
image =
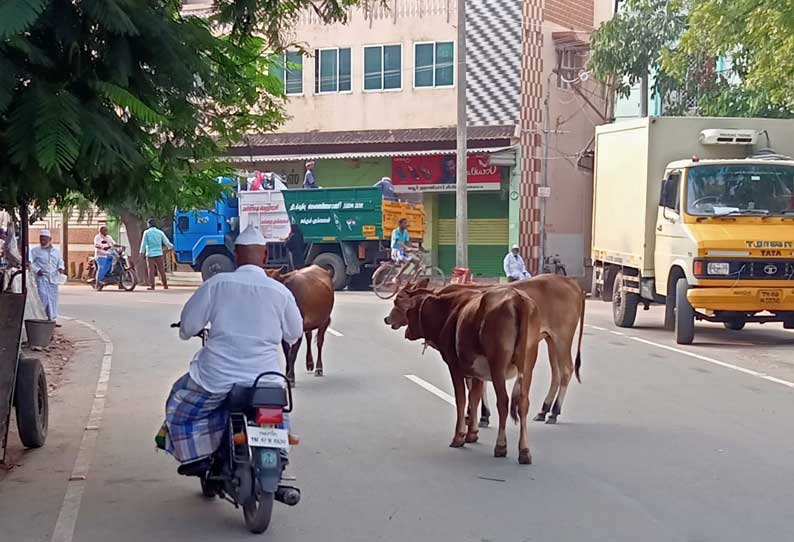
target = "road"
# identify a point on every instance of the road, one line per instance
(658, 443)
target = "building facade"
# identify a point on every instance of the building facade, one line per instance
(376, 98)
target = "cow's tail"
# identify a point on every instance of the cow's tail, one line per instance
(524, 307)
(578, 363)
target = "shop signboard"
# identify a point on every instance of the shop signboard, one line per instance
(438, 173)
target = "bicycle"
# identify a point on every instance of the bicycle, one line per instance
(391, 276)
(554, 265)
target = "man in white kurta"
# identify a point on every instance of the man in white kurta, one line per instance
(47, 265)
(514, 266)
(249, 315)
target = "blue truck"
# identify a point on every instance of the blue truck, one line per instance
(346, 229)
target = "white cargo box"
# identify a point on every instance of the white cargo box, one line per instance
(264, 209)
(631, 160)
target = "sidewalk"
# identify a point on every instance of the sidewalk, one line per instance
(189, 279)
(33, 483)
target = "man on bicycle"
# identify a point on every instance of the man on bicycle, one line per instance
(400, 243)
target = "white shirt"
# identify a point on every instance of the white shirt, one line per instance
(48, 261)
(99, 240)
(249, 314)
(514, 267)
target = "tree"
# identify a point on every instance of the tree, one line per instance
(758, 36)
(628, 47)
(129, 102)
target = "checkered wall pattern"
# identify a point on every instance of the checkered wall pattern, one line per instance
(493, 61)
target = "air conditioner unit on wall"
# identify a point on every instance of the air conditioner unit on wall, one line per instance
(728, 137)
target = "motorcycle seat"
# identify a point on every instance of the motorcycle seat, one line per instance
(265, 394)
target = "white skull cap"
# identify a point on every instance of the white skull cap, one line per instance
(251, 236)
(45, 233)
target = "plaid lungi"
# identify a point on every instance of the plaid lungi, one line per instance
(195, 420)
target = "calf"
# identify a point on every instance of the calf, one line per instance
(491, 335)
(561, 303)
(314, 294)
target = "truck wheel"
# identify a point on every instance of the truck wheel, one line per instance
(214, 264)
(336, 265)
(607, 288)
(32, 407)
(624, 304)
(684, 314)
(734, 325)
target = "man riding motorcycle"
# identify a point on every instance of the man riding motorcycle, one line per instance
(249, 314)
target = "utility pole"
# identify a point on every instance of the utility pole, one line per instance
(461, 184)
(545, 180)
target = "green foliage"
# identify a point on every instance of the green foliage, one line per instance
(129, 103)
(630, 45)
(758, 35)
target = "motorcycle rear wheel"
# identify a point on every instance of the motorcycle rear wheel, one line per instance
(128, 280)
(258, 511)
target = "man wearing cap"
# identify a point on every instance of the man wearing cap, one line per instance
(47, 265)
(309, 180)
(514, 266)
(248, 315)
(386, 188)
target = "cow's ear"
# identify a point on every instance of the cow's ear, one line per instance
(421, 284)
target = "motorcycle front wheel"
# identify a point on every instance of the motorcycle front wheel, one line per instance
(128, 280)
(257, 512)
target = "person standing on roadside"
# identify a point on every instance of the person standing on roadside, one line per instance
(103, 244)
(46, 263)
(152, 244)
(309, 180)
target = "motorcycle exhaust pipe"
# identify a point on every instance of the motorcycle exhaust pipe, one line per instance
(288, 495)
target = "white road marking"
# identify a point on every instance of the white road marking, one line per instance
(597, 328)
(700, 357)
(70, 508)
(334, 332)
(441, 394)
(618, 333)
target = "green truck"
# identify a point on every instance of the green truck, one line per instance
(347, 230)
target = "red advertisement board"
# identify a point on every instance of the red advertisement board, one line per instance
(437, 173)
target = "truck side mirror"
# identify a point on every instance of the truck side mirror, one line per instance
(669, 193)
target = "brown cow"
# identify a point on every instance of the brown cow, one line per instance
(491, 335)
(314, 294)
(561, 303)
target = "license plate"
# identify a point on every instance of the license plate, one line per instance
(268, 437)
(771, 297)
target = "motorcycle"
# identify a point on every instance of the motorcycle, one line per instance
(248, 468)
(122, 271)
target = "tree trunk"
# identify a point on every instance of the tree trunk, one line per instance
(135, 228)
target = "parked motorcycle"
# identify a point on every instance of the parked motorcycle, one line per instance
(122, 271)
(248, 468)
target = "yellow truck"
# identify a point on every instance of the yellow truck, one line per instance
(696, 214)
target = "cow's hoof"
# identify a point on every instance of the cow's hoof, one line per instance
(318, 371)
(524, 458)
(500, 451)
(458, 441)
(552, 420)
(485, 421)
(309, 367)
(541, 417)
(291, 380)
(472, 437)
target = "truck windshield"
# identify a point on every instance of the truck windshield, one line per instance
(739, 189)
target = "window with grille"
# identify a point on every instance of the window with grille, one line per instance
(434, 64)
(383, 67)
(332, 70)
